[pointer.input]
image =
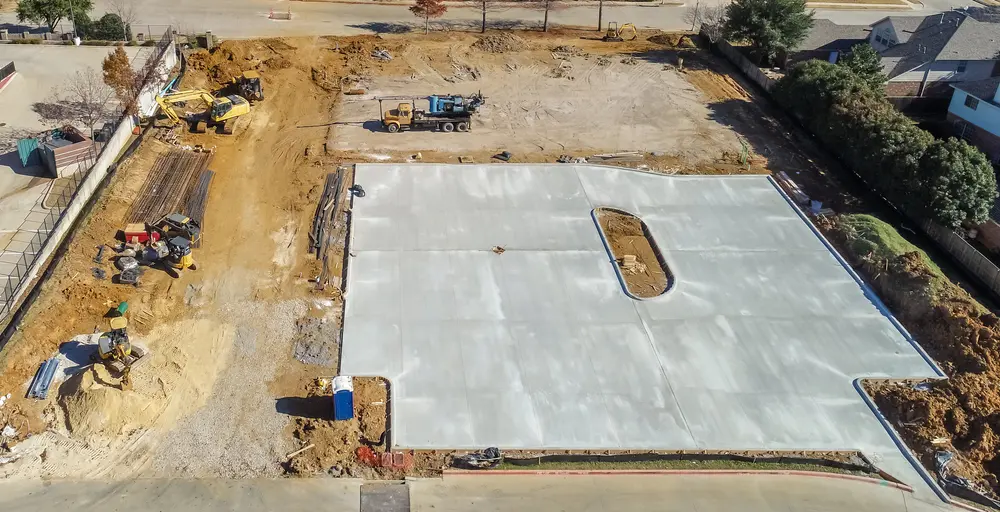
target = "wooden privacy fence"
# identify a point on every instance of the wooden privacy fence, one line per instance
(749, 69)
(968, 256)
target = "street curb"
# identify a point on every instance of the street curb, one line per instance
(860, 7)
(705, 472)
(6, 81)
(526, 5)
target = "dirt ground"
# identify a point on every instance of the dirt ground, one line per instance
(959, 414)
(238, 345)
(644, 276)
(589, 96)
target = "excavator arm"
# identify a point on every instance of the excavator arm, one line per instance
(167, 101)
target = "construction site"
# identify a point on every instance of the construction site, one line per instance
(546, 243)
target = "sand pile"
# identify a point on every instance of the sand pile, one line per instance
(177, 378)
(502, 42)
(961, 414)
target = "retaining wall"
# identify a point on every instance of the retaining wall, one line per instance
(98, 172)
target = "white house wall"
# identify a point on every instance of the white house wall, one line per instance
(986, 115)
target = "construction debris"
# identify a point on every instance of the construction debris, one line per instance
(631, 265)
(300, 450)
(498, 249)
(503, 155)
(502, 42)
(381, 54)
(39, 387)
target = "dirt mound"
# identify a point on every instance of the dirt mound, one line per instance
(672, 40)
(961, 414)
(176, 379)
(567, 49)
(231, 58)
(500, 43)
(336, 442)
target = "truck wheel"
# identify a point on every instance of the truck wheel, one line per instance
(463, 126)
(393, 127)
(447, 127)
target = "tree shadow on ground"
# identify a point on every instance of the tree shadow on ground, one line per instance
(315, 407)
(672, 56)
(380, 27)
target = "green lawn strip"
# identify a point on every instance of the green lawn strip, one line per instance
(684, 465)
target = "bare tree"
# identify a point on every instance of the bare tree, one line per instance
(707, 19)
(90, 94)
(126, 11)
(488, 6)
(83, 99)
(547, 6)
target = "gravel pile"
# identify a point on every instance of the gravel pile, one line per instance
(500, 43)
(238, 434)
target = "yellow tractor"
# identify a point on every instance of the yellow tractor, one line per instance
(618, 34)
(249, 86)
(221, 112)
(116, 351)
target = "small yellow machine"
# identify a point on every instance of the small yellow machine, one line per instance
(180, 257)
(249, 86)
(617, 34)
(221, 113)
(116, 351)
(176, 224)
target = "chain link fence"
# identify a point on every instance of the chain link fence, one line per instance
(33, 237)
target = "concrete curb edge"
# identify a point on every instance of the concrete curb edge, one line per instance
(705, 472)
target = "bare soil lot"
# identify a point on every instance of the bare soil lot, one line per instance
(214, 399)
(589, 96)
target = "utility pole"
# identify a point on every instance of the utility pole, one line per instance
(600, 14)
(697, 14)
(72, 18)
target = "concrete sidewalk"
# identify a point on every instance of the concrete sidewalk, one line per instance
(482, 493)
(681, 493)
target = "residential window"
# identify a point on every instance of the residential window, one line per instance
(892, 42)
(972, 102)
(962, 64)
(878, 38)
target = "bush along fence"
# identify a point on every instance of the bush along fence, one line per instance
(70, 195)
(939, 184)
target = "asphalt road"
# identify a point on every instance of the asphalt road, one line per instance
(601, 493)
(249, 18)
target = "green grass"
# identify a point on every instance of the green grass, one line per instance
(682, 464)
(869, 235)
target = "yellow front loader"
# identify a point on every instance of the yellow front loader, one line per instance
(221, 112)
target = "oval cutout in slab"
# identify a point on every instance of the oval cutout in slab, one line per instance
(635, 253)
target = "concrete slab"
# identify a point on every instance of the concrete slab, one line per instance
(755, 347)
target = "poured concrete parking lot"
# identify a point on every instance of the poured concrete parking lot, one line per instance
(756, 345)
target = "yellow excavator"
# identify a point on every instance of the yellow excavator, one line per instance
(221, 112)
(617, 34)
